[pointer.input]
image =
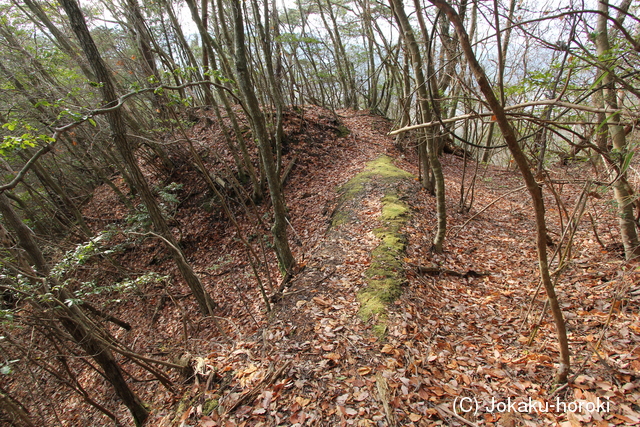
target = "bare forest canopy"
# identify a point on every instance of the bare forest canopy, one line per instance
(319, 212)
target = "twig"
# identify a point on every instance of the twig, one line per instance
(268, 379)
(488, 206)
(57, 132)
(563, 386)
(287, 171)
(552, 102)
(452, 414)
(124, 325)
(595, 231)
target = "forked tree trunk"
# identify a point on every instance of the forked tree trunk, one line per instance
(279, 229)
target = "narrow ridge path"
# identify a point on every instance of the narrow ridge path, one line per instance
(318, 361)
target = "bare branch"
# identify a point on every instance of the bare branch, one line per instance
(553, 102)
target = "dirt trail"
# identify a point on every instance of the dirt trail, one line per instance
(334, 352)
(316, 361)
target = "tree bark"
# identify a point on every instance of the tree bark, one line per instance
(427, 148)
(209, 45)
(279, 229)
(72, 318)
(60, 38)
(15, 409)
(622, 191)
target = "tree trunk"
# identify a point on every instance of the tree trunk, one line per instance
(15, 409)
(621, 188)
(279, 229)
(72, 317)
(429, 146)
(60, 38)
(208, 45)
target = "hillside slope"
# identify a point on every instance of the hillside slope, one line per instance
(374, 329)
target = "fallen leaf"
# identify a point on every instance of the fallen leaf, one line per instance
(415, 417)
(321, 302)
(387, 349)
(365, 370)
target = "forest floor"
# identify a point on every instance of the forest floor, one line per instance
(468, 331)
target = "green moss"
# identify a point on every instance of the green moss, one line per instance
(339, 218)
(385, 275)
(382, 167)
(209, 406)
(391, 239)
(343, 131)
(185, 403)
(392, 208)
(380, 328)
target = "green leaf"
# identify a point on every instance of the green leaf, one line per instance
(627, 161)
(10, 126)
(606, 120)
(598, 80)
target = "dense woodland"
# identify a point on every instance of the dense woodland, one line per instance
(318, 212)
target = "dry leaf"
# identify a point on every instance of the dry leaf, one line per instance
(387, 349)
(415, 417)
(321, 302)
(365, 370)
(302, 401)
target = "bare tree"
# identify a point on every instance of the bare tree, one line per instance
(279, 229)
(534, 188)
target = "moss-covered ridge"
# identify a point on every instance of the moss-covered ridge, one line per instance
(382, 169)
(385, 275)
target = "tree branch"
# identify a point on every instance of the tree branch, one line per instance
(552, 102)
(93, 113)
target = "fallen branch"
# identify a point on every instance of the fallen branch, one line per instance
(270, 377)
(287, 171)
(454, 415)
(434, 269)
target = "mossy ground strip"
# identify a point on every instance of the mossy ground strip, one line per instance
(385, 275)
